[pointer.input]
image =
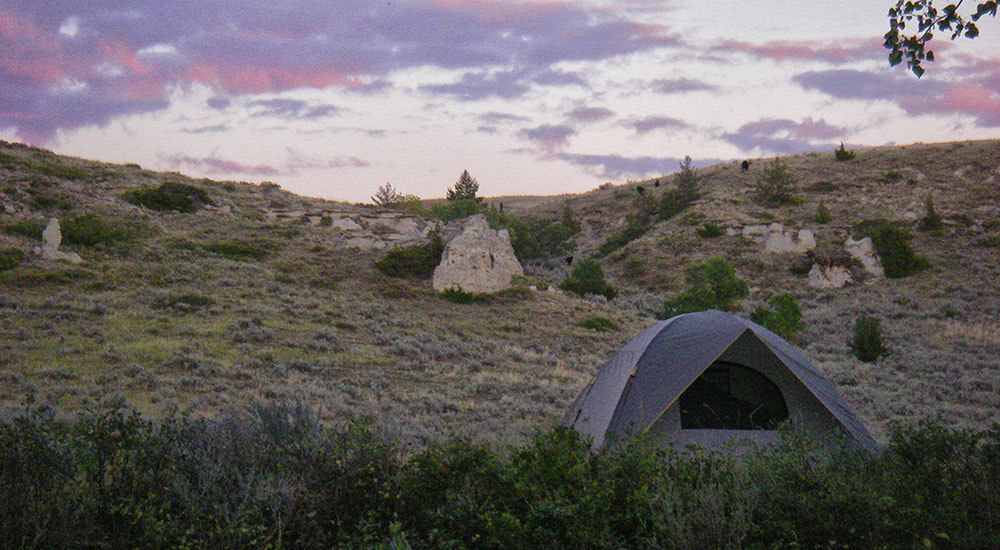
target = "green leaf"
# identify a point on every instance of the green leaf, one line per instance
(917, 70)
(930, 55)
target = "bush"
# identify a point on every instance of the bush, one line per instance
(238, 250)
(457, 209)
(711, 285)
(170, 196)
(710, 231)
(459, 296)
(634, 267)
(533, 237)
(10, 258)
(588, 278)
(822, 214)
(413, 262)
(842, 153)
(600, 324)
(931, 220)
(867, 343)
(775, 185)
(32, 228)
(270, 474)
(893, 246)
(92, 230)
(783, 318)
(632, 231)
(892, 176)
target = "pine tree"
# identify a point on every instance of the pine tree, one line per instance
(465, 188)
(386, 195)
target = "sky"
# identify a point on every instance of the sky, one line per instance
(334, 99)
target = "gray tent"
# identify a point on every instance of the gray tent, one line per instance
(707, 378)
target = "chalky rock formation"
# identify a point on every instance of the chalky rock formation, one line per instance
(865, 253)
(478, 260)
(777, 239)
(51, 239)
(834, 276)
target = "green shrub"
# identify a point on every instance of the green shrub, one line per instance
(931, 220)
(775, 185)
(842, 153)
(634, 267)
(710, 231)
(822, 187)
(272, 475)
(598, 323)
(31, 228)
(711, 285)
(10, 258)
(893, 246)
(459, 296)
(892, 176)
(170, 196)
(783, 318)
(457, 209)
(413, 262)
(867, 344)
(533, 237)
(688, 181)
(632, 231)
(325, 221)
(92, 230)
(28, 278)
(588, 278)
(822, 214)
(238, 250)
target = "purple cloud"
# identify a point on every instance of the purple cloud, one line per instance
(292, 108)
(549, 138)
(616, 166)
(494, 117)
(834, 52)
(969, 92)
(215, 165)
(124, 58)
(783, 136)
(590, 114)
(680, 85)
(649, 124)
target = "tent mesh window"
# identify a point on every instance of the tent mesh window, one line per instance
(728, 396)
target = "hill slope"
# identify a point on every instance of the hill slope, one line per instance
(211, 309)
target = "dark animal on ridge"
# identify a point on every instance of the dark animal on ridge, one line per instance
(745, 166)
(656, 183)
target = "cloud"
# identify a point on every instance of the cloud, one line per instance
(590, 114)
(616, 166)
(215, 165)
(494, 117)
(291, 109)
(476, 86)
(680, 85)
(648, 124)
(295, 162)
(783, 136)
(964, 94)
(549, 137)
(833, 51)
(131, 54)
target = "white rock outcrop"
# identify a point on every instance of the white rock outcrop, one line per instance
(864, 251)
(834, 276)
(478, 260)
(777, 239)
(51, 239)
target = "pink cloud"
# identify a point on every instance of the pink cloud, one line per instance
(550, 138)
(809, 50)
(972, 100)
(649, 124)
(214, 165)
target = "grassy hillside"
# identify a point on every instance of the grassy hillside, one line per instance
(209, 309)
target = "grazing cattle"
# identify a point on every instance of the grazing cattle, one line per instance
(569, 260)
(640, 189)
(745, 166)
(656, 183)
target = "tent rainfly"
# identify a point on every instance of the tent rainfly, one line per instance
(707, 378)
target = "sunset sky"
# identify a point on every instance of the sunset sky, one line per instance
(333, 99)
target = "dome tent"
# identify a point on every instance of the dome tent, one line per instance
(707, 378)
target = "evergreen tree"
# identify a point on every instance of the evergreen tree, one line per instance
(386, 195)
(465, 188)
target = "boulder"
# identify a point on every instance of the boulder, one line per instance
(864, 251)
(346, 224)
(834, 276)
(51, 239)
(478, 260)
(778, 240)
